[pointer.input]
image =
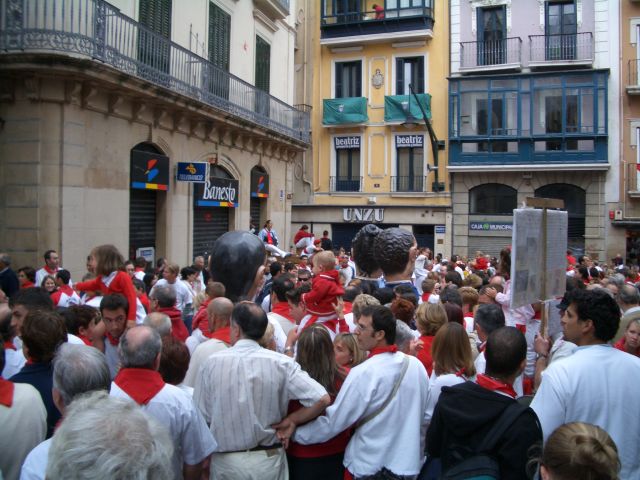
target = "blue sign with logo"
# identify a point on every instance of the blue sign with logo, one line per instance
(491, 226)
(441, 229)
(195, 172)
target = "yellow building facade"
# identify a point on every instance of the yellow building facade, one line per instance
(372, 74)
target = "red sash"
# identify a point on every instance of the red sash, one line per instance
(495, 385)
(385, 349)
(6, 392)
(141, 384)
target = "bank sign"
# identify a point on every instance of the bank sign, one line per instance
(409, 141)
(195, 172)
(217, 192)
(490, 226)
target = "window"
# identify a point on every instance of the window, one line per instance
(263, 76)
(409, 71)
(554, 118)
(492, 199)
(348, 79)
(409, 164)
(491, 122)
(575, 205)
(156, 16)
(347, 178)
(560, 31)
(491, 35)
(219, 36)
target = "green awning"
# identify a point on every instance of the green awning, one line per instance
(341, 111)
(397, 107)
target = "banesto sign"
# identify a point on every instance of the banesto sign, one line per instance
(366, 215)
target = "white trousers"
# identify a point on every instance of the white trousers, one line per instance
(275, 250)
(305, 242)
(260, 465)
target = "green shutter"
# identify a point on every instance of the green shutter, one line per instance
(263, 64)
(219, 36)
(156, 15)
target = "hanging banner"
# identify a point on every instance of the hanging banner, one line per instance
(195, 172)
(409, 141)
(149, 171)
(259, 184)
(217, 192)
(346, 142)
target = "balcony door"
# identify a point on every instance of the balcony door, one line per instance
(348, 80)
(560, 31)
(219, 48)
(492, 34)
(409, 71)
(347, 10)
(263, 76)
(409, 170)
(347, 170)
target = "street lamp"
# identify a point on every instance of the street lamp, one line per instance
(436, 145)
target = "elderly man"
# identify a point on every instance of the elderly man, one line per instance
(77, 369)
(135, 445)
(242, 391)
(160, 322)
(219, 311)
(163, 300)
(139, 380)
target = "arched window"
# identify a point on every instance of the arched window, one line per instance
(492, 199)
(575, 204)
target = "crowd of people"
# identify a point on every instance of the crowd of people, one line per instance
(383, 362)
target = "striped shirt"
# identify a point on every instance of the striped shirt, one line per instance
(245, 389)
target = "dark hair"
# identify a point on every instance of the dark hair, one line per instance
(7, 331)
(281, 285)
(47, 254)
(584, 272)
(186, 271)
(289, 266)
(454, 313)
(598, 306)
(275, 268)
(295, 295)
(451, 295)
(453, 277)
(140, 262)
(506, 349)
(251, 319)
(384, 295)
(391, 249)
(351, 292)
(362, 248)
(490, 317)
(64, 275)
(29, 272)
(403, 309)
(77, 316)
(114, 302)
(42, 332)
(34, 298)
(138, 284)
(174, 360)
(147, 279)
(382, 320)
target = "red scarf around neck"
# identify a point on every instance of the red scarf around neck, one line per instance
(8, 345)
(6, 392)
(495, 385)
(336, 325)
(112, 340)
(282, 309)
(141, 384)
(50, 271)
(385, 349)
(27, 284)
(223, 334)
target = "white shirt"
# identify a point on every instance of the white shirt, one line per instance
(395, 437)
(195, 339)
(286, 324)
(436, 382)
(599, 385)
(174, 408)
(40, 274)
(183, 294)
(245, 389)
(199, 356)
(35, 465)
(13, 362)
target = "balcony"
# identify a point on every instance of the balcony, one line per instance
(503, 54)
(568, 50)
(96, 31)
(344, 111)
(410, 184)
(400, 108)
(274, 9)
(632, 84)
(349, 21)
(345, 184)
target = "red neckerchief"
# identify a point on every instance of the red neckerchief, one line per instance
(495, 385)
(282, 309)
(50, 271)
(85, 340)
(8, 345)
(223, 334)
(522, 328)
(6, 392)
(468, 315)
(461, 372)
(425, 297)
(28, 284)
(66, 289)
(141, 384)
(347, 308)
(113, 341)
(139, 269)
(385, 349)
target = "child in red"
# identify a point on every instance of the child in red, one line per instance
(325, 290)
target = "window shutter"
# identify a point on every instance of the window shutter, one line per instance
(156, 15)
(339, 70)
(263, 64)
(419, 88)
(399, 76)
(358, 89)
(219, 37)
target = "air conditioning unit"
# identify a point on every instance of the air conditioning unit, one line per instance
(617, 215)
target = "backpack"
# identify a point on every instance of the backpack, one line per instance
(482, 465)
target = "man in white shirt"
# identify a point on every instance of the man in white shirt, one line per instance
(242, 391)
(51, 266)
(170, 277)
(77, 369)
(139, 380)
(390, 422)
(597, 383)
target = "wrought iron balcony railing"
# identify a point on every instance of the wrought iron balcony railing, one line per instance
(345, 184)
(413, 183)
(97, 30)
(507, 51)
(571, 47)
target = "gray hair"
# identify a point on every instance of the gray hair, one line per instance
(165, 295)
(160, 322)
(5, 258)
(404, 335)
(133, 446)
(629, 295)
(142, 353)
(79, 369)
(362, 301)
